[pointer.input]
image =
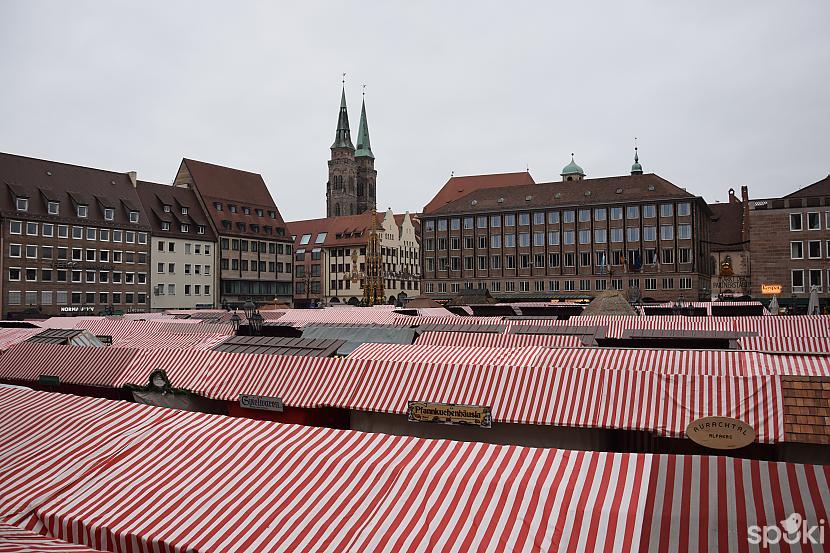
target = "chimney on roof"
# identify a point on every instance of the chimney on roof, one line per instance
(745, 216)
(133, 176)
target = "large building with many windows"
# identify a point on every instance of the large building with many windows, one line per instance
(637, 233)
(183, 248)
(75, 240)
(255, 258)
(330, 257)
(790, 245)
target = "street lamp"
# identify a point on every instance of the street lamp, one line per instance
(249, 307)
(235, 320)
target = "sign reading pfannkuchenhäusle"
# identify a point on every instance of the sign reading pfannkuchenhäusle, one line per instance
(720, 432)
(261, 402)
(449, 413)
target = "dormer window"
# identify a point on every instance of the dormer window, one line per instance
(185, 227)
(22, 204)
(109, 214)
(200, 229)
(232, 208)
(254, 228)
(167, 208)
(54, 208)
(133, 216)
(83, 211)
(259, 212)
(165, 225)
(246, 210)
(217, 206)
(184, 211)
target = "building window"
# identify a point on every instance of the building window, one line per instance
(666, 232)
(524, 239)
(616, 235)
(109, 214)
(468, 223)
(600, 236)
(15, 250)
(684, 231)
(553, 238)
(651, 284)
(649, 211)
(509, 262)
(569, 237)
(797, 281)
(814, 249)
(134, 216)
(685, 282)
(813, 221)
(796, 250)
(649, 234)
(553, 217)
(616, 213)
(617, 283)
(496, 261)
(585, 259)
(82, 211)
(15, 227)
(585, 236)
(633, 212)
(31, 252)
(684, 255)
(481, 221)
(48, 230)
(815, 279)
(15, 297)
(22, 204)
(668, 284)
(538, 238)
(796, 223)
(442, 225)
(569, 286)
(14, 274)
(31, 229)
(668, 256)
(666, 210)
(77, 233)
(509, 240)
(684, 209)
(54, 208)
(568, 216)
(599, 214)
(633, 234)
(600, 285)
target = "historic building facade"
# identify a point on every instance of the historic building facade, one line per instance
(255, 248)
(184, 250)
(351, 188)
(75, 240)
(330, 257)
(729, 247)
(790, 244)
(638, 233)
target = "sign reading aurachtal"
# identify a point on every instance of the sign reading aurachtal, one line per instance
(771, 289)
(261, 402)
(449, 413)
(720, 432)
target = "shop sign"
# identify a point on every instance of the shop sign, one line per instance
(262, 403)
(77, 309)
(720, 433)
(449, 413)
(769, 289)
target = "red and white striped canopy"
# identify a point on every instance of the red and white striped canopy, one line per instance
(489, 339)
(124, 477)
(447, 355)
(12, 336)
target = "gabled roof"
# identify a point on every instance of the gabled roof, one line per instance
(626, 188)
(229, 184)
(725, 227)
(155, 196)
(819, 188)
(458, 187)
(228, 187)
(344, 230)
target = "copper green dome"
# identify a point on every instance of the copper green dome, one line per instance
(572, 169)
(636, 169)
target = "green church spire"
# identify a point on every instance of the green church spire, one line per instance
(364, 149)
(343, 137)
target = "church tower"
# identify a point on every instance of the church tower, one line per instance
(366, 174)
(341, 189)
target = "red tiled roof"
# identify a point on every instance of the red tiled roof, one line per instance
(806, 409)
(605, 190)
(352, 229)
(234, 187)
(458, 187)
(155, 196)
(819, 188)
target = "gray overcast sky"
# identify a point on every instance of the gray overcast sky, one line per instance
(719, 93)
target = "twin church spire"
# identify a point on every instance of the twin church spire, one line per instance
(350, 189)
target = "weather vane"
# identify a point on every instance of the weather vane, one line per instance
(364, 89)
(344, 78)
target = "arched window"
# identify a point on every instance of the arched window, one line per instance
(336, 209)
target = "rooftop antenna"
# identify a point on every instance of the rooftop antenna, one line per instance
(364, 89)
(344, 79)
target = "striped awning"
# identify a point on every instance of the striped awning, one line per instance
(127, 477)
(485, 339)
(449, 355)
